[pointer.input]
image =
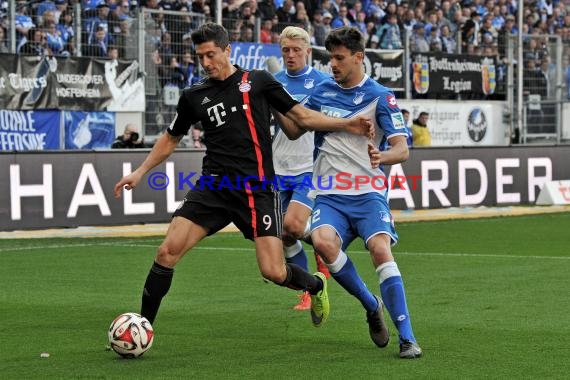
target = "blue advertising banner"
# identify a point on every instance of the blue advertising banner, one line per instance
(251, 56)
(89, 130)
(29, 130)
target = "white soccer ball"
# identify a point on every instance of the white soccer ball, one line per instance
(130, 335)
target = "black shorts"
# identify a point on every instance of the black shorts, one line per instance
(256, 211)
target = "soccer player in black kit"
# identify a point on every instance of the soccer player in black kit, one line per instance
(234, 107)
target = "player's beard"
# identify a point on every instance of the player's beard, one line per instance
(342, 80)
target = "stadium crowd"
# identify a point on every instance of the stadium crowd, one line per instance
(434, 25)
(451, 26)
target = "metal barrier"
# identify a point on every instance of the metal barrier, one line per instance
(542, 121)
(542, 87)
(168, 57)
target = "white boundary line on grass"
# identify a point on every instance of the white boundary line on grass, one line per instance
(154, 229)
(452, 254)
(134, 244)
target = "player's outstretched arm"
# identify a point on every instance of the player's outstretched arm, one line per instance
(163, 148)
(399, 152)
(311, 120)
(288, 126)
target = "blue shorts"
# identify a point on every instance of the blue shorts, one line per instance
(364, 215)
(294, 189)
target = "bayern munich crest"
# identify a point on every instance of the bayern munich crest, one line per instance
(244, 86)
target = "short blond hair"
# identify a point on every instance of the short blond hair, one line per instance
(294, 32)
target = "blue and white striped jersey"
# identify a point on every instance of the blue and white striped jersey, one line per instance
(341, 152)
(296, 157)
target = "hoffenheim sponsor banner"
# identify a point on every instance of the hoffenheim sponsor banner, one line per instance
(29, 130)
(89, 130)
(70, 83)
(249, 56)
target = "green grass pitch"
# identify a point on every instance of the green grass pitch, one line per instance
(489, 299)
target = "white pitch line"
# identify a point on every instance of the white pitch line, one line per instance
(75, 245)
(134, 244)
(451, 254)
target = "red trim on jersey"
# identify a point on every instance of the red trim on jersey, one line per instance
(251, 125)
(251, 204)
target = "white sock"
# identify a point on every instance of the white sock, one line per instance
(337, 265)
(387, 270)
(293, 250)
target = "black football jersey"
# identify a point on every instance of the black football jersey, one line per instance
(235, 115)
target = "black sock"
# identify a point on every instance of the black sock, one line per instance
(298, 279)
(155, 288)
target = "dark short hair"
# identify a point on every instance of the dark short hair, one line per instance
(347, 36)
(211, 32)
(32, 32)
(403, 110)
(423, 113)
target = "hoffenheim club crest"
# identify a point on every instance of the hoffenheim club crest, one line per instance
(358, 98)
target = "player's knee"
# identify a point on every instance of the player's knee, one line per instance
(295, 228)
(274, 275)
(380, 257)
(166, 256)
(379, 247)
(325, 246)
